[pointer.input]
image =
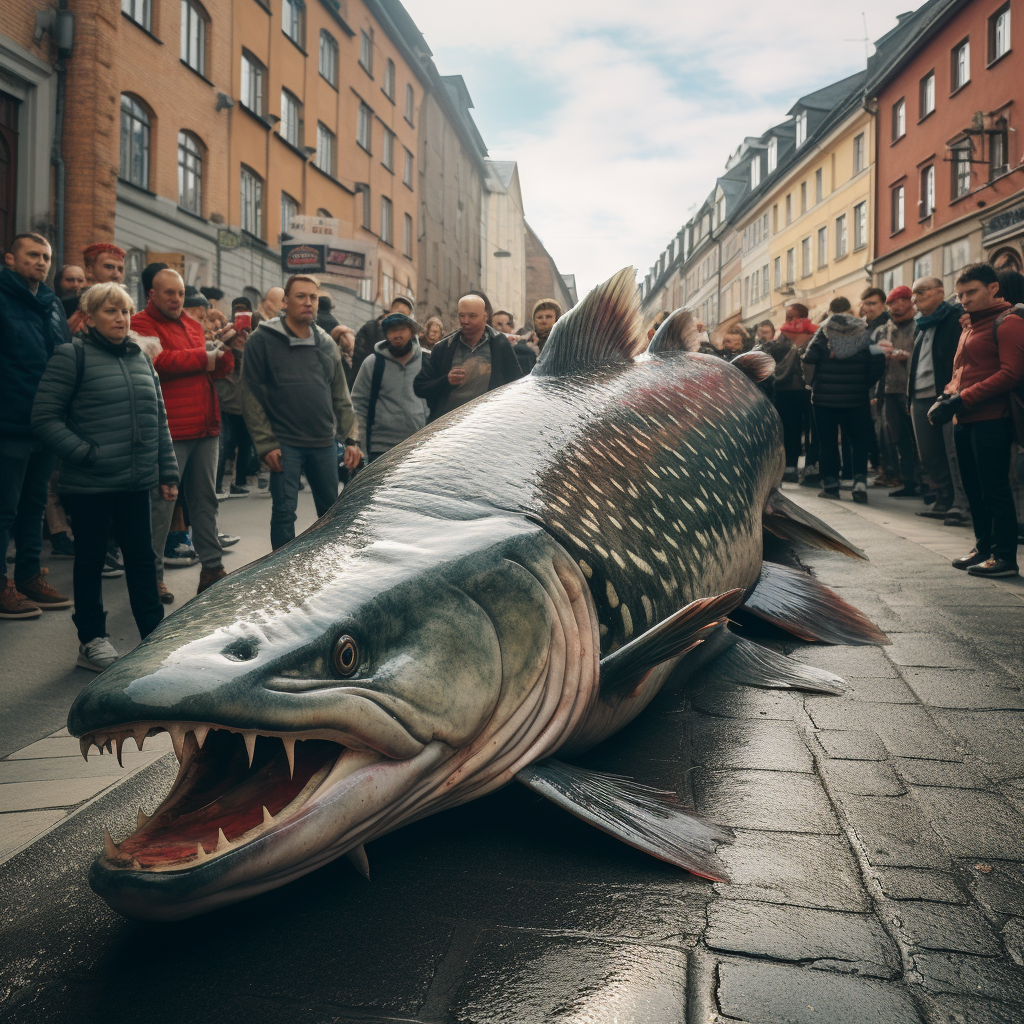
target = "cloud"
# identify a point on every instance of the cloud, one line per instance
(621, 116)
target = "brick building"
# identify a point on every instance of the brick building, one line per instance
(543, 279)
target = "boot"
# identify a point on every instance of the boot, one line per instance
(41, 594)
(829, 488)
(14, 604)
(208, 577)
(860, 491)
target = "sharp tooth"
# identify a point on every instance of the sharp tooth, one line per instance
(359, 860)
(289, 749)
(136, 866)
(201, 854)
(139, 734)
(177, 734)
(267, 816)
(84, 744)
(222, 842)
(118, 742)
(201, 733)
(143, 819)
(110, 849)
(250, 744)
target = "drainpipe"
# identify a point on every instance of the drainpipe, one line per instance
(63, 32)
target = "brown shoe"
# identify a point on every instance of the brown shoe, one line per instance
(208, 577)
(166, 597)
(39, 592)
(14, 605)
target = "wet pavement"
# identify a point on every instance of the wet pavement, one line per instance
(877, 870)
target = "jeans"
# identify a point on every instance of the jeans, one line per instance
(129, 514)
(933, 445)
(235, 440)
(197, 464)
(900, 434)
(983, 449)
(792, 407)
(321, 468)
(856, 426)
(25, 467)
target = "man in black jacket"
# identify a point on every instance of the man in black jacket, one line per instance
(371, 332)
(931, 367)
(466, 364)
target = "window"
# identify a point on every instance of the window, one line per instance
(860, 225)
(842, 240)
(326, 149)
(190, 173)
(388, 88)
(928, 191)
(801, 128)
(892, 279)
(407, 174)
(289, 209)
(858, 154)
(193, 36)
(898, 208)
(388, 150)
(291, 119)
(778, 271)
(386, 226)
(790, 266)
(139, 11)
(927, 94)
(134, 142)
(407, 235)
(956, 256)
(253, 77)
(764, 224)
(366, 52)
(899, 119)
(773, 154)
(961, 59)
(328, 57)
(363, 190)
(923, 266)
(789, 209)
(410, 102)
(805, 257)
(293, 21)
(746, 291)
(764, 282)
(364, 127)
(999, 34)
(252, 202)
(962, 153)
(720, 210)
(997, 149)
(755, 172)
(822, 247)
(819, 185)
(803, 196)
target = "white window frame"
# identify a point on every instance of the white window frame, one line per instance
(326, 149)
(290, 128)
(961, 65)
(408, 171)
(135, 142)
(806, 257)
(822, 247)
(293, 21)
(388, 86)
(410, 103)
(773, 154)
(755, 171)
(860, 225)
(387, 155)
(859, 152)
(387, 220)
(289, 208)
(407, 235)
(364, 128)
(801, 128)
(139, 11)
(927, 93)
(366, 52)
(190, 173)
(928, 191)
(961, 167)
(842, 237)
(899, 119)
(254, 76)
(327, 59)
(251, 216)
(1000, 34)
(898, 201)
(193, 36)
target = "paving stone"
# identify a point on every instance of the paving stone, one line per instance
(995, 737)
(45, 769)
(1013, 939)
(728, 700)
(954, 774)
(863, 778)
(788, 801)
(905, 730)
(950, 1009)
(775, 994)
(852, 744)
(894, 832)
(880, 689)
(26, 796)
(20, 827)
(1000, 889)
(944, 926)
(956, 688)
(802, 870)
(928, 650)
(917, 884)
(986, 977)
(849, 662)
(799, 934)
(539, 979)
(982, 825)
(728, 743)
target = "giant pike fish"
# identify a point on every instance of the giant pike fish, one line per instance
(497, 594)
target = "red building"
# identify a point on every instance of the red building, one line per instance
(949, 113)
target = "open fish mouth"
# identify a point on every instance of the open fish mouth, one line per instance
(233, 787)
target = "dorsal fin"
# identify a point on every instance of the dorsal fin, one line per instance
(758, 366)
(604, 328)
(677, 334)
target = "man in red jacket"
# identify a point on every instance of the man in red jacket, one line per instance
(988, 364)
(187, 372)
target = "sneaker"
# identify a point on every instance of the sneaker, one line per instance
(860, 492)
(208, 577)
(974, 558)
(846, 485)
(226, 540)
(40, 593)
(811, 477)
(992, 568)
(166, 597)
(906, 491)
(957, 517)
(830, 489)
(937, 511)
(223, 495)
(883, 480)
(790, 475)
(178, 551)
(238, 492)
(97, 654)
(929, 497)
(14, 604)
(263, 481)
(112, 565)
(61, 546)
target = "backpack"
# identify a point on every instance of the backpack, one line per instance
(1017, 391)
(375, 383)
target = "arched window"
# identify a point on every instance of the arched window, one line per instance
(134, 142)
(193, 36)
(328, 57)
(326, 214)
(252, 202)
(190, 173)
(410, 102)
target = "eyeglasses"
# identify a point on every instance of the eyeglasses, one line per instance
(925, 291)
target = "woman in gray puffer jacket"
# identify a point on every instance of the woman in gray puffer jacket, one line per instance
(100, 409)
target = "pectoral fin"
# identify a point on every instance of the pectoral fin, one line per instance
(786, 519)
(649, 819)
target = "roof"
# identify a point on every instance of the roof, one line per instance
(906, 39)
(499, 174)
(831, 95)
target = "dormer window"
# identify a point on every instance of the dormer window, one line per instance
(755, 172)
(801, 128)
(773, 154)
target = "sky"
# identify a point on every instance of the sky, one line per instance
(621, 115)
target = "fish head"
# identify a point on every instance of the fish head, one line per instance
(315, 699)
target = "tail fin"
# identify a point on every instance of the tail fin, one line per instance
(786, 519)
(758, 366)
(677, 334)
(801, 605)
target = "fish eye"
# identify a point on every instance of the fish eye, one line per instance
(346, 655)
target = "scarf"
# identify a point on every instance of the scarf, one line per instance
(119, 349)
(942, 310)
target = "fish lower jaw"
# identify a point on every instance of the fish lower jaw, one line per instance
(233, 787)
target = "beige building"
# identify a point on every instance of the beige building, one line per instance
(503, 230)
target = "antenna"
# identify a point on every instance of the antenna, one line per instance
(865, 39)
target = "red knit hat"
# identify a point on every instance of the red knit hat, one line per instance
(94, 251)
(803, 326)
(901, 291)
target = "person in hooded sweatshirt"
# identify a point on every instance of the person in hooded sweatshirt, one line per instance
(842, 366)
(385, 404)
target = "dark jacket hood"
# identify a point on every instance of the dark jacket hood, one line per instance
(847, 335)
